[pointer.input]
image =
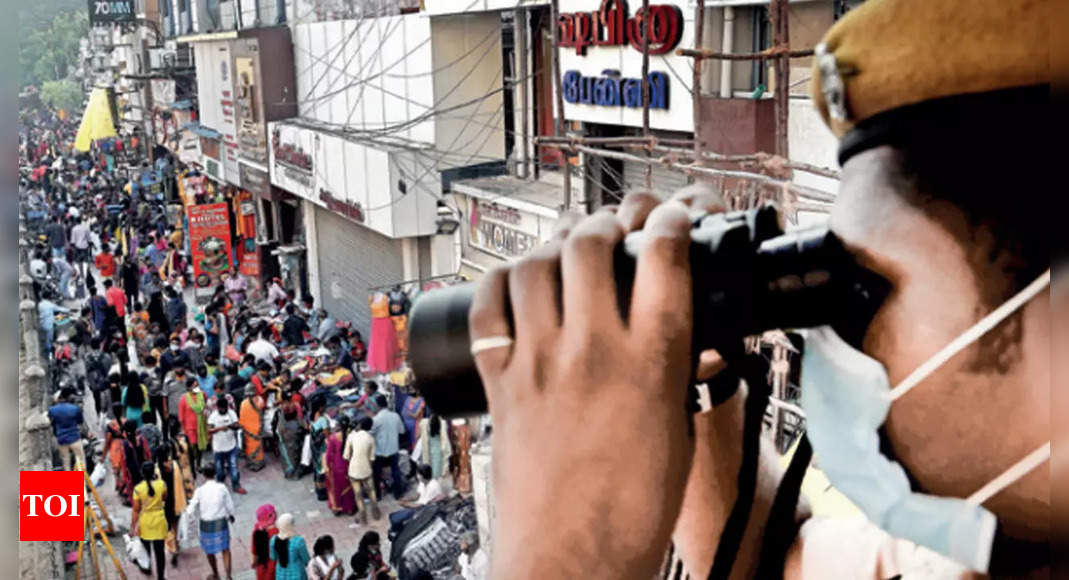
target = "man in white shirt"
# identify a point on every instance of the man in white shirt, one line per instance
(80, 241)
(223, 426)
(473, 561)
(216, 511)
(360, 453)
(262, 349)
(429, 490)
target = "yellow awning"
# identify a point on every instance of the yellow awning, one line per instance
(96, 121)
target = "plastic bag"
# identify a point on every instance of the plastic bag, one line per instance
(136, 552)
(99, 474)
(306, 451)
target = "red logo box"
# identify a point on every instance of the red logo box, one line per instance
(51, 506)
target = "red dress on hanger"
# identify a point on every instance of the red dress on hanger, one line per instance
(382, 355)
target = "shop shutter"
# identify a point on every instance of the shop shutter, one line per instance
(665, 181)
(357, 258)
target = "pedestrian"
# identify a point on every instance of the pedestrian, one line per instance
(251, 418)
(262, 532)
(46, 318)
(214, 509)
(387, 429)
(236, 287)
(130, 276)
(180, 451)
(57, 237)
(174, 357)
(63, 272)
(134, 399)
(223, 426)
(80, 239)
(370, 549)
(152, 433)
(154, 385)
(194, 424)
(473, 562)
(209, 383)
(97, 365)
(99, 305)
(289, 551)
(324, 565)
(117, 301)
(340, 496)
(432, 446)
(148, 520)
(135, 452)
(293, 328)
(319, 429)
(290, 436)
(174, 387)
(429, 491)
(360, 453)
(262, 348)
(176, 308)
(175, 501)
(66, 419)
(156, 311)
(105, 263)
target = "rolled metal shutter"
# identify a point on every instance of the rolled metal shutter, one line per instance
(665, 181)
(356, 258)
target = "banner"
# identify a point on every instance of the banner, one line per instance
(251, 268)
(209, 241)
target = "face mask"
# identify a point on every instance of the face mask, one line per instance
(846, 396)
(174, 348)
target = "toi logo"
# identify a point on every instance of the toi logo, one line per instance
(51, 506)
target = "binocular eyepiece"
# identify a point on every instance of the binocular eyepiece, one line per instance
(747, 275)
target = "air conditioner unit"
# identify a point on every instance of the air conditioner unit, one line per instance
(161, 58)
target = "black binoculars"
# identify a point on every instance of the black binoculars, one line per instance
(748, 277)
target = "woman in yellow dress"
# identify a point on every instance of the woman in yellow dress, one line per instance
(148, 520)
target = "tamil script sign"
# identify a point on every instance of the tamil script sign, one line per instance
(600, 52)
(103, 12)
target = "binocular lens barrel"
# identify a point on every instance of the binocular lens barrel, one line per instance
(741, 287)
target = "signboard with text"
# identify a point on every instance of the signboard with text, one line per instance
(104, 12)
(209, 244)
(600, 55)
(503, 231)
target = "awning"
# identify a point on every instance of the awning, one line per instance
(198, 129)
(96, 121)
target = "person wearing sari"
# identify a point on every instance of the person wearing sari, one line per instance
(194, 423)
(113, 447)
(340, 496)
(289, 437)
(262, 532)
(319, 431)
(251, 419)
(180, 451)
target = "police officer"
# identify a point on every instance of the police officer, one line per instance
(934, 425)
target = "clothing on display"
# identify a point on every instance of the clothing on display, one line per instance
(383, 352)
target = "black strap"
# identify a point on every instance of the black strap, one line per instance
(783, 524)
(752, 370)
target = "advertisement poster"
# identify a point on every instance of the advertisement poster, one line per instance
(209, 241)
(250, 268)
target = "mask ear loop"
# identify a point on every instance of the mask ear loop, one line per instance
(1011, 475)
(971, 335)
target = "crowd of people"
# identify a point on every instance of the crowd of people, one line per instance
(174, 394)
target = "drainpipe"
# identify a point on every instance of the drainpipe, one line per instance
(726, 46)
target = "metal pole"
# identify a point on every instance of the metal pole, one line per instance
(646, 84)
(566, 169)
(520, 19)
(778, 14)
(696, 82)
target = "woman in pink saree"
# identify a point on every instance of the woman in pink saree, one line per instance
(340, 495)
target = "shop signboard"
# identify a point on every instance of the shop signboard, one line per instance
(291, 150)
(502, 231)
(255, 181)
(600, 51)
(104, 12)
(209, 239)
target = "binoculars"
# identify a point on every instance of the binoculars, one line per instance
(748, 276)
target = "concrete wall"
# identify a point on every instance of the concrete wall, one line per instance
(467, 59)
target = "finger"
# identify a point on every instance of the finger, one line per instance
(488, 317)
(701, 199)
(588, 287)
(661, 300)
(564, 225)
(635, 208)
(534, 288)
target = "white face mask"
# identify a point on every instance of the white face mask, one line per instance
(847, 396)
